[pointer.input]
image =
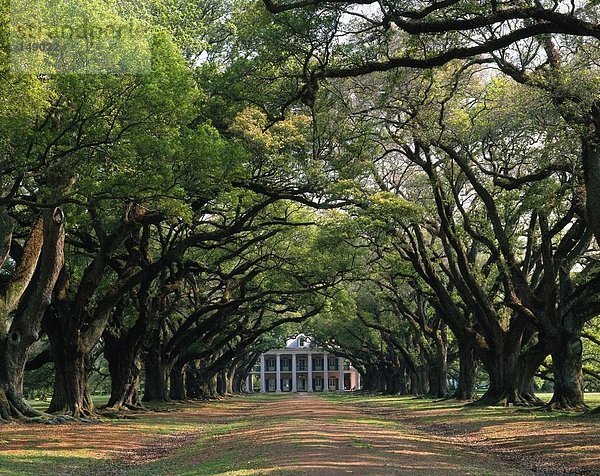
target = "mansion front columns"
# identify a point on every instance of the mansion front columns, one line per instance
(278, 372)
(325, 372)
(310, 372)
(294, 374)
(263, 382)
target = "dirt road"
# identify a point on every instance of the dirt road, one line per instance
(284, 434)
(303, 434)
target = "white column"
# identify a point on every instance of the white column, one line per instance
(249, 384)
(278, 373)
(357, 380)
(325, 372)
(294, 377)
(309, 359)
(341, 369)
(263, 382)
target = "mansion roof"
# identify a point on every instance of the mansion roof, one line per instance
(299, 342)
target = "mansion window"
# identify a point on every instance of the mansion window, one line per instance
(317, 363)
(333, 363)
(332, 384)
(270, 364)
(318, 383)
(301, 364)
(286, 363)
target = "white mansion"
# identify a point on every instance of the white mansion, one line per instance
(301, 367)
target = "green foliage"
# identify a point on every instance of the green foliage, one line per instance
(275, 197)
(389, 208)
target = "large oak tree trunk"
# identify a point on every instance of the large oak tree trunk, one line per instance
(177, 390)
(12, 401)
(125, 369)
(48, 237)
(71, 395)
(467, 374)
(156, 372)
(529, 363)
(202, 384)
(419, 383)
(372, 380)
(199, 382)
(503, 371)
(239, 383)
(229, 384)
(568, 376)
(81, 316)
(510, 376)
(505, 368)
(438, 371)
(192, 382)
(222, 383)
(122, 349)
(208, 387)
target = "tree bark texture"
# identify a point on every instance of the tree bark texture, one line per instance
(568, 376)
(467, 373)
(125, 369)
(156, 374)
(177, 389)
(29, 307)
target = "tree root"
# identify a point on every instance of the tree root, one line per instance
(79, 413)
(462, 397)
(563, 401)
(47, 419)
(123, 408)
(14, 407)
(506, 400)
(566, 406)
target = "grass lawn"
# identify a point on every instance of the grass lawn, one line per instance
(146, 439)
